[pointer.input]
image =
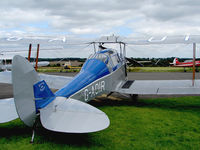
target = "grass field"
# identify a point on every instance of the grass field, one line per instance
(153, 123)
(129, 69)
(57, 69)
(158, 69)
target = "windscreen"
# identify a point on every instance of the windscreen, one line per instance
(100, 56)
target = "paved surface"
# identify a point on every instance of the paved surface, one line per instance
(150, 76)
(161, 76)
(6, 89)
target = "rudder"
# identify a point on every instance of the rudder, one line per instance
(24, 77)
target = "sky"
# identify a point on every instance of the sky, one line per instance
(95, 18)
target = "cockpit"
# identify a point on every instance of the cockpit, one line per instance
(109, 57)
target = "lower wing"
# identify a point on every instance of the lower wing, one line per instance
(7, 110)
(54, 81)
(165, 87)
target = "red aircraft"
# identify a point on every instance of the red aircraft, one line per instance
(187, 63)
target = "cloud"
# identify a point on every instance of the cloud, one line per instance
(100, 17)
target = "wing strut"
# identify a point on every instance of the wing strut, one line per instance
(194, 55)
(29, 52)
(36, 63)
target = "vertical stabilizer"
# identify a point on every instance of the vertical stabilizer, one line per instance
(175, 62)
(24, 77)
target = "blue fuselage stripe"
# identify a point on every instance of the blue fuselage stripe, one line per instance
(92, 70)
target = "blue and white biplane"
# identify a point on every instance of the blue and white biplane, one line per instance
(66, 110)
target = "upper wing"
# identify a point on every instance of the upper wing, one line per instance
(53, 81)
(187, 39)
(181, 39)
(168, 87)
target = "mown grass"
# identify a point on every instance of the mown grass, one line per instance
(154, 123)
(129, 69)
(57, 69)
(158, 69)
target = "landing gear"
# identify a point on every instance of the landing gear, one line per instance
(184, 69)
(34, 128)
(134, 97)
(109, 94)
(33, 136)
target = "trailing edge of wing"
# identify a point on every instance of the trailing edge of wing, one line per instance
(7, 110)
(72, 116)
(168, 87)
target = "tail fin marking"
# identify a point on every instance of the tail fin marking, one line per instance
(43, 95)
(175, 62)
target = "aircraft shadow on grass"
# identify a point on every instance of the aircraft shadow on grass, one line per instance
(19, 131)
(13, 131)
(156, 102)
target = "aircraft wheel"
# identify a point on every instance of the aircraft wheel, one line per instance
(134, 97)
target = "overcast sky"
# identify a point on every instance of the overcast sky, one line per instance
(94, 18)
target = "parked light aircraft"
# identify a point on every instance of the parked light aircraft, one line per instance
(66, 110)
(187, 63)
(132, 62)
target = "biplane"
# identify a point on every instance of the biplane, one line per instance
(66, 110)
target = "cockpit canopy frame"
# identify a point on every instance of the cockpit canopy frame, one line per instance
(109, 56)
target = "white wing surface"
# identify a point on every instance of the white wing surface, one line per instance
(53, 81)
(7, 110)
(187, 39)
(5, 77)
(165, 87)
